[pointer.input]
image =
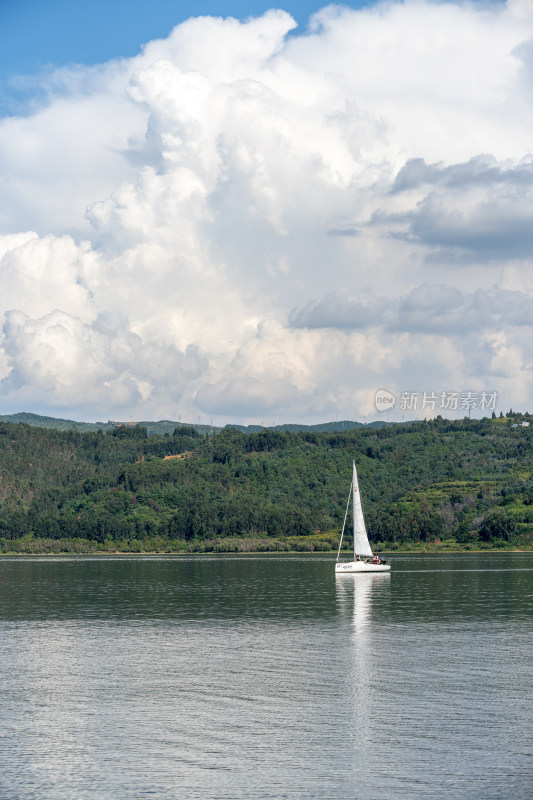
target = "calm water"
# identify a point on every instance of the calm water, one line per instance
(266, 677)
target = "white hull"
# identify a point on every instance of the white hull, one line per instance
(347, 567)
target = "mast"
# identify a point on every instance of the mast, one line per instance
(355, 488)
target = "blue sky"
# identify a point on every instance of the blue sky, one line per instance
(245, 222)
(37, 34)
(38, 37)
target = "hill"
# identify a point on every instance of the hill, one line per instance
(331, 427)
(154, 427)
(168, 426)
(468, 483)
(26, 418)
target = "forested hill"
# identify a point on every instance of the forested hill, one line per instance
(322, 427)
(167, 426)
(469, 482)
(26, 418)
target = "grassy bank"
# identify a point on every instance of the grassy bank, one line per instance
(319, 543)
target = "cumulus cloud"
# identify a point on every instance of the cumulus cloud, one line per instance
(428, 308)
(479, 171)
(342, 311)
(476, 210)
(245, 219)
(73, 364)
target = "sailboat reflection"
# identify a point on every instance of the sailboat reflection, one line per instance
(359, 598)
(356, 596)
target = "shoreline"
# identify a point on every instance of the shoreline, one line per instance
(270, 553)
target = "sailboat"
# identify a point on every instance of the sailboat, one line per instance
(363, 558)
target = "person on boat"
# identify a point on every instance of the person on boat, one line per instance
(376, 560)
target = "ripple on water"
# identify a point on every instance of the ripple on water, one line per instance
(264, 678)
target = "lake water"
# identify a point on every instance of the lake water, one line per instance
(266, 677)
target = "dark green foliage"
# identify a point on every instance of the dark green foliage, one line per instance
(343, 425)
(134, 432)
(497, 525)
(186, 430)
(470, 481)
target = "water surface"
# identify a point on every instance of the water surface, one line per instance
(265, 677)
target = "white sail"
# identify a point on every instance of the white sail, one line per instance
(361, 545)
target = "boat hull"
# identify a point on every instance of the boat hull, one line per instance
(347, 567)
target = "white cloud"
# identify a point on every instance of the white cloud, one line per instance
(58, 160)
(428, 308)
(240, 222)
(478, 210)
(37, 273)
(69, 364)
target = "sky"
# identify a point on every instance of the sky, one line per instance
(227, 212)
(39, 36)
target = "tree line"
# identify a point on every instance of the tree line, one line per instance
(467, 481)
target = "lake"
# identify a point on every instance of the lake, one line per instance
(266, 677)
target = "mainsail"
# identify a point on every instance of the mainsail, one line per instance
(360, 536)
